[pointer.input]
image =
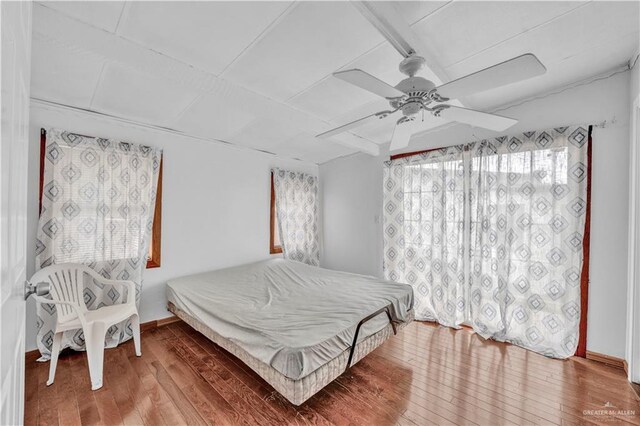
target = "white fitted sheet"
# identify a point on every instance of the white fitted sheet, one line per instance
(289, 315)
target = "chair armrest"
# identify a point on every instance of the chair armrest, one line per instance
(131, 287)
(131, 297)
(76, 308)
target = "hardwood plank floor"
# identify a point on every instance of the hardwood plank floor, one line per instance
(425, 375)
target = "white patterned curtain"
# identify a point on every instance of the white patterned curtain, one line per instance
(519, 205)
(528, 210)
(424, 231)
(98, 202)
(297, 209)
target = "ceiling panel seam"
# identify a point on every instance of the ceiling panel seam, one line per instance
(57, 12)
(433, 12)
(98, 82)
(262, 35)
(515, 36)
(189, 105)
(163, 65)
(123, 14)
(374, 48)
(60, 106)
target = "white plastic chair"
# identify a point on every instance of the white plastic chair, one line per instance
(66, 282)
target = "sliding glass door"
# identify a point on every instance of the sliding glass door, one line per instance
(427, 234)
(491, 234)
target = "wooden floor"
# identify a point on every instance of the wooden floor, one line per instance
(425, 375)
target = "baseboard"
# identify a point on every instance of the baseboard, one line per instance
(609, 360)
(636, 389)
(145, 326)
(151, 325)
(167, 320)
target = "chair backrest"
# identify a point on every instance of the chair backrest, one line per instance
(67, 285)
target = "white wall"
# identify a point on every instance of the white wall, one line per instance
(352, 214)
(352, 191)
(215, 201)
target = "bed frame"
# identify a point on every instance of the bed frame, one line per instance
(298, 391)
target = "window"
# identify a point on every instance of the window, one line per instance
(155, 238)
(275, 246)
(294, 197)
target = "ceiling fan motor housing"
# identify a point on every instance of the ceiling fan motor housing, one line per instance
(417, 90)
(415, 87)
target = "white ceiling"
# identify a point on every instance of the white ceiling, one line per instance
(258, 74)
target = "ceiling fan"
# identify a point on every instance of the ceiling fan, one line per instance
(415, 94)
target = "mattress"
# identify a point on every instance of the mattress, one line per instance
(292, 317)
(296, 391)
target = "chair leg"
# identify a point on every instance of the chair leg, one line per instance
(55, 351)
(94, 342)
(135, 326)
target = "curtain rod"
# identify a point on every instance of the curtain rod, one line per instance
(43, 132)
(466, 145)
(50, 104)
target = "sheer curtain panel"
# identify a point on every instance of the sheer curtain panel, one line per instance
(491, 234)
(424, 236)
(297, 211)
(528, 211)
(98, 198)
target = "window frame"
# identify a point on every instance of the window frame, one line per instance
(273, 248)
(155, 245)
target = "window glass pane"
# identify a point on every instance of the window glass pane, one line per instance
(276, 232)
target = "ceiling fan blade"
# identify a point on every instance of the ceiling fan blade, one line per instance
(477, 118)
(368, 82)
(401, 135)
(359, 122)
(511, 71)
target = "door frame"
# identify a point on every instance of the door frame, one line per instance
(633, 276)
